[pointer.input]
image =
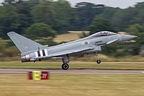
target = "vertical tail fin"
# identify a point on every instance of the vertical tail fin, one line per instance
(22, 43)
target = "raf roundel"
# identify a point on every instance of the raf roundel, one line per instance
(85, 43)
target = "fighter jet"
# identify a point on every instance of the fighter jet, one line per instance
(32, 51)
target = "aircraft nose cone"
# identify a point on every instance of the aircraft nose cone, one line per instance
(127, 37)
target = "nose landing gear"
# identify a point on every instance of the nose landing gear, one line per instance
(97, 59)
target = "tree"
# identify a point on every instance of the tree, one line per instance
(135, 29)
(84, 15)
(63, 15)
(33, 2)
(39, 30)
(9, 1)
(138, 30)
(25, 17)
(2, 45)
(9, 20)
(108, 13)
(43, 12)
(55, 14)
(124, 18)
(101, 25)
(139, 15)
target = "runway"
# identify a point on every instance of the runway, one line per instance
(85, 71)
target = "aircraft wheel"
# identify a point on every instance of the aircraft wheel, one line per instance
(65, 66)
(98, 61)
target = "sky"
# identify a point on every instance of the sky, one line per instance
(111, 3)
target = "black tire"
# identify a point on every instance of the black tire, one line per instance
(65, 66)
(98, 61)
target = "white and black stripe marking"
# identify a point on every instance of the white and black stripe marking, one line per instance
(46, 52)
(41, 53)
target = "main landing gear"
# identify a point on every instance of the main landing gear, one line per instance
(65, 61)
(98, 60)
(65, 66)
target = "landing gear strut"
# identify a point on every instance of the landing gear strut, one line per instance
(98, 60)
(65, 61)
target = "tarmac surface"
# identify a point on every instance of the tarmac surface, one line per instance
(85, 71)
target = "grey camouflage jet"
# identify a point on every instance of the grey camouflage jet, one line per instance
(32, 51)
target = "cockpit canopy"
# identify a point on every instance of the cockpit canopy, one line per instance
(102, 33)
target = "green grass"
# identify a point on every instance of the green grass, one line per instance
(73, 85)
(76, 65)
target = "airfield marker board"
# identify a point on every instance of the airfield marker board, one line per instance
(44, 75)
(38, 75)
(30, 75)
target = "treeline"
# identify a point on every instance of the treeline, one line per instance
(23, 15)
(47, 18)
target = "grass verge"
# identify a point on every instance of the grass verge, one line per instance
(73, 85)
(76, 65)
